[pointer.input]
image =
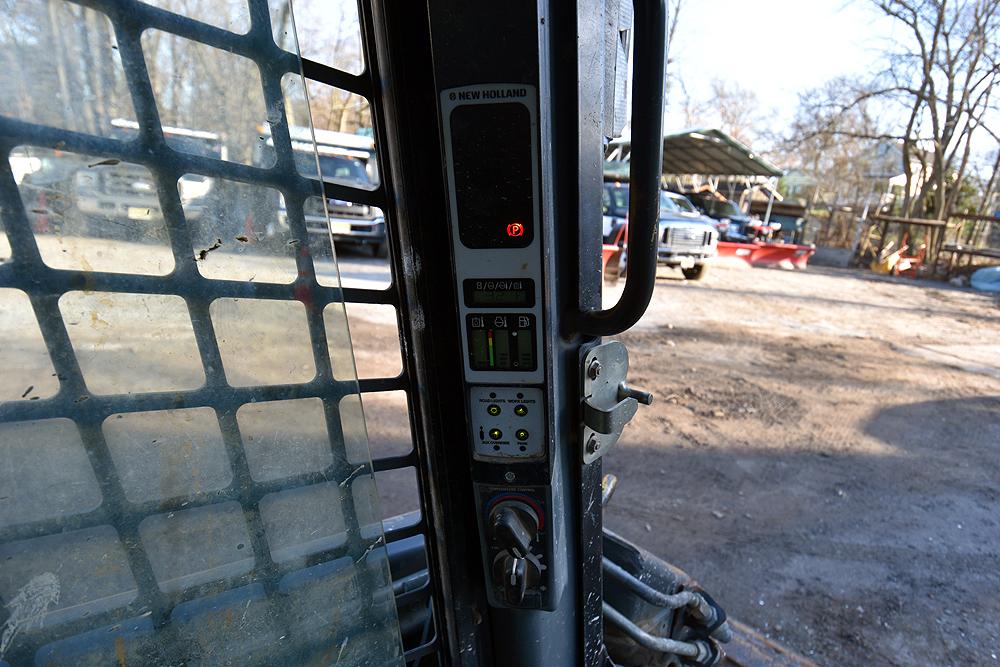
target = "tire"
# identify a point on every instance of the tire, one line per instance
(380, 250)
(696, 272)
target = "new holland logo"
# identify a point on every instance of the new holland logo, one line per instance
(488, 94)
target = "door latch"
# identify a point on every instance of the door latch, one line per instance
(608, 402)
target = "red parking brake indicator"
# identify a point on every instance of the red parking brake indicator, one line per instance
(515, 229)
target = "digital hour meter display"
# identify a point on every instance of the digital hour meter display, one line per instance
(499, 292)
(501, 341)
(491, 154)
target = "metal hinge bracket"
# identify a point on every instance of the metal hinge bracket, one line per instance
(608, 402)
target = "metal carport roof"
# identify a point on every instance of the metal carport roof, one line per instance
(705, 152)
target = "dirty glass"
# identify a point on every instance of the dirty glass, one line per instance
(185, 474)
(341, 132)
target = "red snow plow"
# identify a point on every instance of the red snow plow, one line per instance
(784, 255)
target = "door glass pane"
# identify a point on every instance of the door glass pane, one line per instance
(327, 31)
(185, 475)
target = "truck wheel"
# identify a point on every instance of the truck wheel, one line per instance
(696, 272)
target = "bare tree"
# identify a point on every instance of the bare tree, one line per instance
(695, 113)
(841, 149)
(673, 17)
(830, 144)
(331, 34)
(729, 107)
(939, 80)
(738, 110)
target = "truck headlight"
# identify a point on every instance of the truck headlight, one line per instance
(191, 188)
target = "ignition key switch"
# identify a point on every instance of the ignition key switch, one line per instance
(513, 527)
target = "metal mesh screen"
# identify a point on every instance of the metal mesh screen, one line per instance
(102, 562)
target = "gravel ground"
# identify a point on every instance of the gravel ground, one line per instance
(823, 456)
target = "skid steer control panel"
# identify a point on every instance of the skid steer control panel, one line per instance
(492, 163)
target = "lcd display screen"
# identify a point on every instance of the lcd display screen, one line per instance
(499, 292)
(501, 341)
(491, 159)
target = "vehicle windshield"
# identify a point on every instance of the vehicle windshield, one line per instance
(614, 201)
(675, 204)
(667, 204)
(723, 209)
(332, 167)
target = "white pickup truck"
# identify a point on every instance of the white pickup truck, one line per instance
(686, 238)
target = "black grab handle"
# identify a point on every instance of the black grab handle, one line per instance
(649, 55)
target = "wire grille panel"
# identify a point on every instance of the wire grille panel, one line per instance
(179, 486)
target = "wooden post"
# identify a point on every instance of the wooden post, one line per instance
(883, 232)
(770, 200)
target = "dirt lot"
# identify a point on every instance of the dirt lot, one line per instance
(823, 455)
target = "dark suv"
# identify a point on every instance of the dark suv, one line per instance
(732, 223)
